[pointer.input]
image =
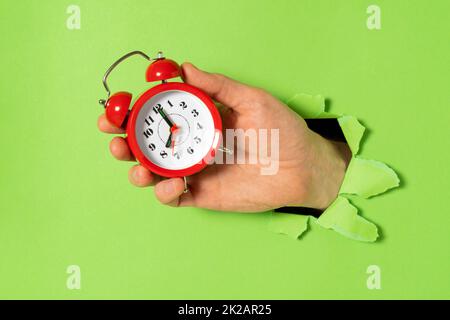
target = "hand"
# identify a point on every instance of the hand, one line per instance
(311, 168)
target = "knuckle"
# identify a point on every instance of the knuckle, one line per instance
(220, 77)
(260, 92)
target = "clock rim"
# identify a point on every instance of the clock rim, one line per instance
(131, 129)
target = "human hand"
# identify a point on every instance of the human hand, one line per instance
(310, 168)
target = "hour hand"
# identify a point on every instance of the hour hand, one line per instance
(169, 140)
(173, 130)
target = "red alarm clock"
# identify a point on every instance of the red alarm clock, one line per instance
(173, 129)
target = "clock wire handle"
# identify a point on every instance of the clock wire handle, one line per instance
(186, 186)
(114, 65)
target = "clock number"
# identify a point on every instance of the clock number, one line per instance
(183, 105)
(148, 133)
(152, 146)
(197, 140)
(199, 126)
(149, 121)
(163, 154)
(177, 155)
(169, 103)
(156, 108)
(195, 113)
(190, 150)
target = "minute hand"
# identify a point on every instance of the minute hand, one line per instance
(165, 117)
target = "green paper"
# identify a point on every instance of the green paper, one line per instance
(306, 105)
(353, 132)
(66, 201)
(343, 218)
(368, 178)
(292, 225)
(328, 115)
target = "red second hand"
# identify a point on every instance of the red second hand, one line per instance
(173, 130)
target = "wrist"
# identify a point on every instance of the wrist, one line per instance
(329, 161)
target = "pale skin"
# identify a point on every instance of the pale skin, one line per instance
(311, 168)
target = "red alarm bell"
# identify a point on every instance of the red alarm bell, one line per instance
(173, 129)
(162, 69)
(116, 108)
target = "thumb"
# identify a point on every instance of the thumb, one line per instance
(169, 191)
(221, 88)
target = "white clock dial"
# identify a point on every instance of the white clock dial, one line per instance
(189, 143)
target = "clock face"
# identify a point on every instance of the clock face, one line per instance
(175, 130)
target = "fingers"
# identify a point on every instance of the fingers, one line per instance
(222, 89)
(118, 146)
(120, 150)
(104, 126)
(141, 177)
(169, 191)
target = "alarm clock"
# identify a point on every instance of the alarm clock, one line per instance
(173, 129)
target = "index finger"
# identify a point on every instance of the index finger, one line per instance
(105, 126)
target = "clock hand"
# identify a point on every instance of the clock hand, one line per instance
(173, 128)
(165, 117)
(170, 123)
(173, 147)
(169, 140)
(174, 132)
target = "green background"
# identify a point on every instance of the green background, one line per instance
(65, 200)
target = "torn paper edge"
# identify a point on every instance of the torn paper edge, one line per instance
(292, 225)
(309, 106)
(353, 184)
(342, 217)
